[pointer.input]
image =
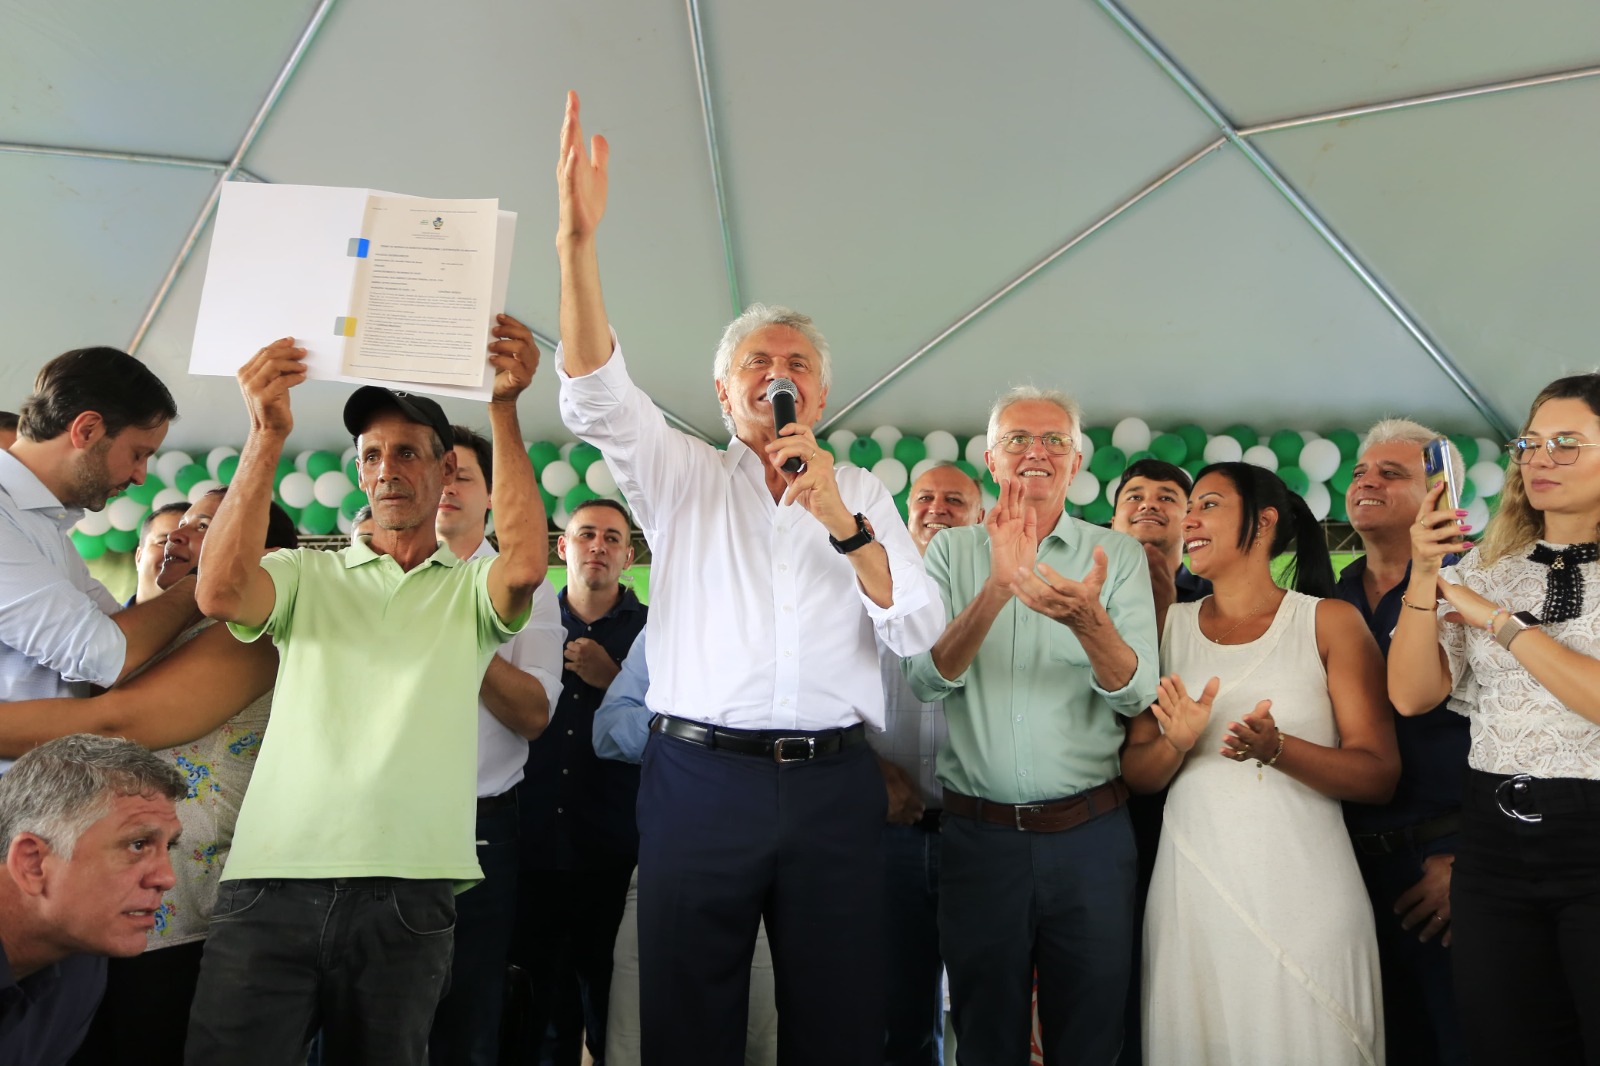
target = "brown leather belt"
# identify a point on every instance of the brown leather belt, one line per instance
(1053, 816)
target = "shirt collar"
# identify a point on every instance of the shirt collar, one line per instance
(626, 601)
(30, 494)
(360, 552)
(1066, 530)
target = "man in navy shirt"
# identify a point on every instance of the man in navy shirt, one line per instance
(1406, 847)
(86, 823)
(580, 841)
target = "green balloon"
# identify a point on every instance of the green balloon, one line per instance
(1340, 481)
(578, 495)
(825, 446)
(902, 500)
(292, 512)
(1170, 448)
(121, 540)
(1503, 458)
(1194, 466)
(190, 476)
(582, 457)
(285, 466)
(319, 519)
(1468, 446)
(1336, 507)
(988, 483)
(1139, 457)
(90, 547)
(1107, 463)
(542, 453)
(1101, 435)
(549, 507)
(353, 501)
(969, 470)
(320, 462)
(230, 466)
(1194, 438)
(1247, 437)
(1297, 480)
(910, 451)
(865, 452)
(1099, 512)
(1349, 444)
(146, 492)
(1469, 491)
(1286, 445)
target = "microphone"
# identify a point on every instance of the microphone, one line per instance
(781, 394)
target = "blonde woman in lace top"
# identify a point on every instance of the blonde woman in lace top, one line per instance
(1516, 648)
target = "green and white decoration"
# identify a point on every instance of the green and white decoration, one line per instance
(318, 488)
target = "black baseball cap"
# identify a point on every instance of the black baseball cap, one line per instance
(358, 410)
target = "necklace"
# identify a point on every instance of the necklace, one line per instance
(1253, 612)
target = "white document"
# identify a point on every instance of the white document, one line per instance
(372, 303)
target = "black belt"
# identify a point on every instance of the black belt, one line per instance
(1412, 837)
(775, 744)
(1528, 799)
(490, 804)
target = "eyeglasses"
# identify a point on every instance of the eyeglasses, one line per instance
(1563, 451)
(1054, 443)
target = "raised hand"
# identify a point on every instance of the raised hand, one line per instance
(1254, 738)
(1436, 534)
(515, 357)
(580, 178)
(1013, 529)
(815, 486)
(265, 382)
(1073, 603)
(1183, 719)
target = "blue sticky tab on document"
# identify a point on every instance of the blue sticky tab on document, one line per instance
(358, 248)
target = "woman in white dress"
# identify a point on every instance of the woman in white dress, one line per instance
(1517, 650)
(1259, 942)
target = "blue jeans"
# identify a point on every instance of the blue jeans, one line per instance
(466, 1028)
(364, 958)
(915, 1001)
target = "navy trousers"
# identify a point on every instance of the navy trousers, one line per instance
(727, 839)
(915, 1035)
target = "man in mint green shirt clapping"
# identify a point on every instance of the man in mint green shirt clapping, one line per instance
(1051, 645)
(336, 908)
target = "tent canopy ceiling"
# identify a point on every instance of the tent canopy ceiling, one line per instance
(1082, 190)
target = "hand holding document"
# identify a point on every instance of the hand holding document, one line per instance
(378, 287)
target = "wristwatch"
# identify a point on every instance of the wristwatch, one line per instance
(863, 537)
(1513, 626)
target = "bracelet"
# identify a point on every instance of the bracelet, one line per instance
(1275, 755)
(1489, 625)
(1413, 606)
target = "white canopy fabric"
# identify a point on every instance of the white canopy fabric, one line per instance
(1186, 212)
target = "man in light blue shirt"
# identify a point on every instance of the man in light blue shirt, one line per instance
(1051, 646)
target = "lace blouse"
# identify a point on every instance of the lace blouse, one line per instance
(1518, 727)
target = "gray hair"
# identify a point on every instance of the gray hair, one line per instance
(62, 787)
(1025, 393)
(1405, 431)
(759, 316)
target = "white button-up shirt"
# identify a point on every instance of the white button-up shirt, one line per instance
(536, 650)
(756, 622)
(56, 635)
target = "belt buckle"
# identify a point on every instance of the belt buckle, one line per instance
(1030, 808)
(1511, 789)
(780, 756)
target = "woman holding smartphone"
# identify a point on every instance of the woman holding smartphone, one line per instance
(1516, 647)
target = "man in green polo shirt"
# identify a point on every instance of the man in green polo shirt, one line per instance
(336, 908)
(1050, 648)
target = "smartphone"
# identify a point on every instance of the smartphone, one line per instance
(1437, 468)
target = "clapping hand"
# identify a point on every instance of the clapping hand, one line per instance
(1013, 529)
(1075, 604)
(1254, 738)
(1182, 718)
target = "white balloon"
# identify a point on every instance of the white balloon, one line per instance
(169, 463)
(1318, 499)
(1084, 489)
(566, 450)
(975, 449)
(1131, 435)
(166, 496)
(343, 524)
(841, 439)
(215, 456)
(1488, 477)
(331, 488)
(126, 512)
(94, 523)
(1477, 515)
(892, 472)
(1111, 490)
(300, 462)
(1309, 435)
(1088, 449)
(561, 517)
(922, 468)
(1320, 459)
(297, 489)
(599, 478)
(350, 453)
(558, 478)
(1488, 449)
(887, 436)
(989, 500)
(1223, 449)
(1261, 456)
(942, 446)
(200, 488)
